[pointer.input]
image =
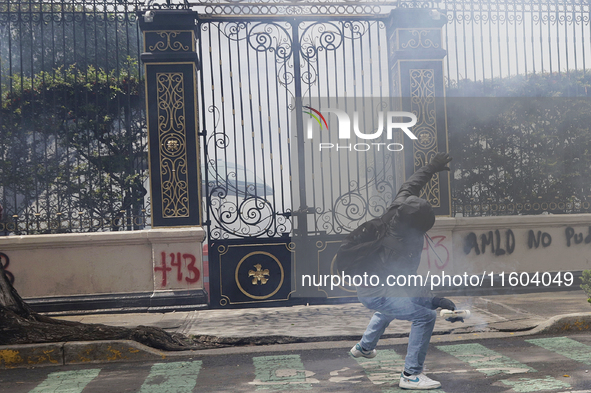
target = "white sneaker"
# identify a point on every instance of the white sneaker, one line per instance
(418, 382)
(357, 352)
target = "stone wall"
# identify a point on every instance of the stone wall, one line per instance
(139, 265)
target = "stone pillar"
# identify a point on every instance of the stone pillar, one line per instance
(170, 64)
(415, 57)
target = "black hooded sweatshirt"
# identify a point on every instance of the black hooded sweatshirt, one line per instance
(410, 217)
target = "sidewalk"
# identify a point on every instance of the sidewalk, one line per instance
(531, 313)
(504, 313)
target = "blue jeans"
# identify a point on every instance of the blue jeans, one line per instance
(404, 308)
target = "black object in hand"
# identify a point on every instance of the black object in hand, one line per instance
(443, 303)
(455, 319)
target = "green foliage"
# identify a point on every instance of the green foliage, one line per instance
(586, 285)
(571, 84)
(45, 36)
(521, 140)
(72, 141)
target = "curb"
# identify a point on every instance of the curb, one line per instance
(78, 352)
(577, 322)
(83, 352)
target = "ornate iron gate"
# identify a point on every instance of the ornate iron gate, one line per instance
(257, 73)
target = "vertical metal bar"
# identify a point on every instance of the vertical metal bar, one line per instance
(566, 45)
(541, 37)
(558, 38)
(89, 170)
(482, 49)
(204, 148)
(4, 150)
(234, 125)
(523, 19)
(371, 51)
(134, 169)
(86, 102)
(515, 41)
(259, 95)
(53, 18)
(385, 93)
(574, 20)
(473, 39)
(550, 38)
(213, 121)
(295, 51)
(507, 22)
(499, 50)
(257, 85)
(219, 84)
(27, 198)
(123, 188)
(270, 127)
(583, 42)
(354, 87)
(323, 181)
(9, 24)
(33, 146)
(116, 206)
(203, 125)
(302, 229)
(464, 37)
(278, 114)
(339, 179)
(312, 166)
(533, 45)
(362, 71)
(456, 50)
(448, 70)
(490, 44)
(330, 193)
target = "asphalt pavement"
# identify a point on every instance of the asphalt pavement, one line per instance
(462, 363)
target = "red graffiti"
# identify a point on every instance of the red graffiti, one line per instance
(5, 261)
(176, 260)
(436, 251)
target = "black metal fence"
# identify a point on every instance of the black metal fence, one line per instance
(72, 128)
(529, 155)
(73, 154)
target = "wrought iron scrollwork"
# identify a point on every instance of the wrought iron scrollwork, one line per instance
(318, 37)
(251, 217)
(361, 203)
(240, 203)
(172, 143)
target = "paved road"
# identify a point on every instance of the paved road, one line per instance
(510, 364)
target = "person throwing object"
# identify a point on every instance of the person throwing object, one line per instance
(408, 218)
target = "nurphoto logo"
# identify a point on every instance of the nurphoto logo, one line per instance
(346, 128)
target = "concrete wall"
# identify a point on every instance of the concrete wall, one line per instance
(147, 262)
(545, 243)
(150, 261)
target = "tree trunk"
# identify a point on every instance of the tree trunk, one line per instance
(19, 324)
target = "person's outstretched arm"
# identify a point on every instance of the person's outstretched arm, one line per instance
(417, 181)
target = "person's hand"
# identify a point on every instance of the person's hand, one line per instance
(443, 303)
(440, 161)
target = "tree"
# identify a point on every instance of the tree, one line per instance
(19, 324)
